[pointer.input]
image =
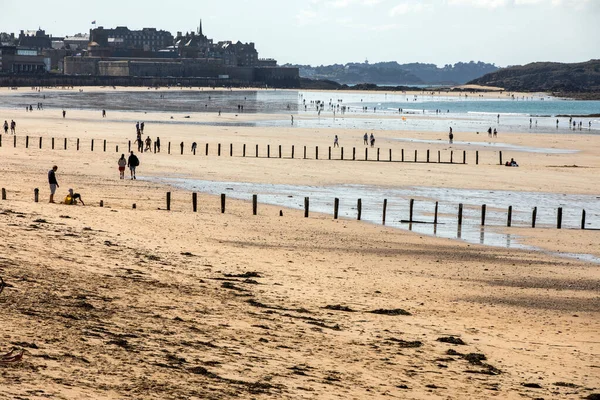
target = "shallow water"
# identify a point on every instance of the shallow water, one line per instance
(322, 201)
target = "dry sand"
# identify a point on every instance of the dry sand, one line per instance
(113, 303)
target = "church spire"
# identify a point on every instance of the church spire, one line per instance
(200, 28)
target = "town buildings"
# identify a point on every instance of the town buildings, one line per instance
(149, 52)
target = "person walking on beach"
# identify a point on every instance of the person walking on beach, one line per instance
(52, 182)
(140, 142)
(157, 143)
(194, 147)
(13, 127)
(372, 140)
(5, 127)
(148, 144)
(103, 113)
(142, 127)
(451, 136)
(366, 139)
(495, 133)
(490, 132)
(132, 163)
(336, 141)
(64, 113)
(122, 164)
(292, 119)
(557, 123)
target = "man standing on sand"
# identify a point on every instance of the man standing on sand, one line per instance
(52, 182)
(157, 144)
(13, 127)
(132, 163)
(451, 136)
(336, 141)
(366, 139)
(5, 127)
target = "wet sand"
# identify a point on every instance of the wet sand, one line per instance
(118, 303)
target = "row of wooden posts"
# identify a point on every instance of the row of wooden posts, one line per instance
(403, 157)
(336, 207)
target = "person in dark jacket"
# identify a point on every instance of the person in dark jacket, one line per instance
(52, 182)
(132, 163)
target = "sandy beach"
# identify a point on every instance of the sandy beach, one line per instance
(114, 302)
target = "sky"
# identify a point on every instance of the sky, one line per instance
(322, 32)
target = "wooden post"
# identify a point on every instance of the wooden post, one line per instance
(460, 214)
(306, 206)
(402, 158)
(223, 198)
(27, 141)
(292, 151)
(435, 217)
(305, 152)
(268, 151)
(134, 206)
(279, 151)
(78, 144)
(36, 195)
(128, 146)
(451, 156)
(353, 153)
(219, 150)
(483, 210)
(411, 209)
(534, 217)
(154, 148)
(477, 157)
(195, 202)
(256, 151)
(359, 209)
(509, 221)
(254, 204)
(416, 159)
(384, 211)
(501, 163)
(366, 153)
(439, 156)
(117, 149)
(15, 141)
(169, 148)
(390, 155)
(336, 208)
(41, 142)
(3, 194)
(66, 145)
(230, 149)
(582, 214)
(206, 150)
(92, 146)
(330, 152)
(244, 151)
(464, 157)
(101, 203)
(0, 140)
(427, 155)
(559, 218)
(168, 201)
(181, 145)
(53, 144)
(342, 154)
(378, 149)
(104, 144)
(317, 152)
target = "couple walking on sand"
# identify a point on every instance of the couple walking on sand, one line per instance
(132, 162)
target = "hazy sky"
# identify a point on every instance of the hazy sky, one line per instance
(504, 32)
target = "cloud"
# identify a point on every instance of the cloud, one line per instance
(409, 7)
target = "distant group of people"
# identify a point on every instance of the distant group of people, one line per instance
(13, 127)
(369, 140)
